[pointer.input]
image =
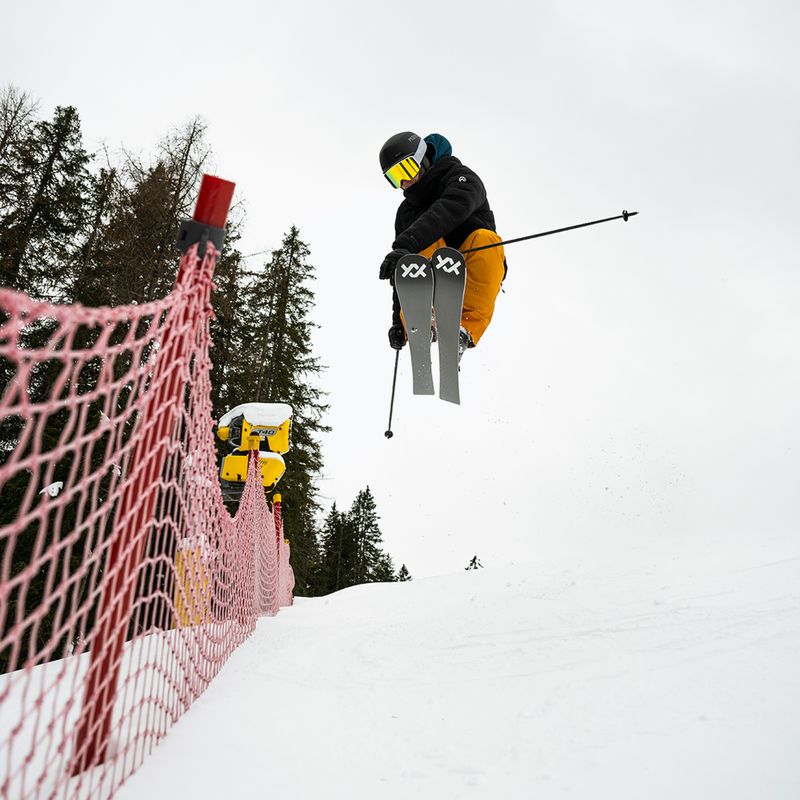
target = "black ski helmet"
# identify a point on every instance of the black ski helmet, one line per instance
(400, 146)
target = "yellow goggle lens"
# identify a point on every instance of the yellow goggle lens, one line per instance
(404, 170)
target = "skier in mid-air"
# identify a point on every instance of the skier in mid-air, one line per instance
(444, 205)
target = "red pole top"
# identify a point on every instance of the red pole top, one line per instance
(213, 201)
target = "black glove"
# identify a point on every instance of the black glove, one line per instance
(389, 263)
(397, 337)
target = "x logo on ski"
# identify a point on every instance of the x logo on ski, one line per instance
(414, 269)
(447, 262)
(450, 280)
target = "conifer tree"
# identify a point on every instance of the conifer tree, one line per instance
(352, 548)
(136, 257)
(383, 569)
(17, 117)
(337, 552)
(364, 518)
(403, 574)
(17, 112)
(45, 187)
(273, 362)
(88, 284)
(224, 325)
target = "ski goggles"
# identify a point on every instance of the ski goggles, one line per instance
(408, 168)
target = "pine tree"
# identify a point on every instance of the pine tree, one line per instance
(352, 551)
(17, 112)
(225, 298)
(403, 574)
(383, 569)
(273, 362)
(337, 553)
(17, 117)
(89, 285)
(135, 258)
(45, 188)
(364, 517)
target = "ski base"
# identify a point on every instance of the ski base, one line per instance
(450, 280)
(413, 279)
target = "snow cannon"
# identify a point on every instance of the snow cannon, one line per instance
(261, 427)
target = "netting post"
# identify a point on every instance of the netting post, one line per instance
(276, 511)
(137, 504)
(285, 574)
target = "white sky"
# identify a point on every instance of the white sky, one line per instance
(641, 381)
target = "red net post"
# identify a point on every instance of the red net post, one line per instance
(276, 510)
(157, 421)
(285, 572)
(213, 201)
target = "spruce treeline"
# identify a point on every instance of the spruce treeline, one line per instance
(352, 548)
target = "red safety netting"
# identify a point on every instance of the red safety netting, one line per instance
(124, 583)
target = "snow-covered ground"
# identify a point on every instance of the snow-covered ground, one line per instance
(648, 674)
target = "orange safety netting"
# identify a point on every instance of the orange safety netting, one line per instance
(124, 582)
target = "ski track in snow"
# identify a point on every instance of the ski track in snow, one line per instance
(654, 677)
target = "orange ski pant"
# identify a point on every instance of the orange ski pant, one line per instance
(485, 272)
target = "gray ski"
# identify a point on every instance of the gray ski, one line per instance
(450, 279)
(413, 279)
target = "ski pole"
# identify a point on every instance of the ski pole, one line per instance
(624, 215)
(389, 433)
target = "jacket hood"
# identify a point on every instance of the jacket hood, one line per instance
(438, 147)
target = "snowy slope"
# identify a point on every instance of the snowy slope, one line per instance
(651, 675)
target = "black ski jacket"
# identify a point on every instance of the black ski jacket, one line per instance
(447, 202)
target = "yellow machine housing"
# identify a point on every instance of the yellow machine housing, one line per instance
(276, 437)
(234, 467)
(269, 440)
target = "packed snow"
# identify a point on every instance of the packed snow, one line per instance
(270, 415)
(651, 673)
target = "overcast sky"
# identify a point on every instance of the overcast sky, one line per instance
(641, 380)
